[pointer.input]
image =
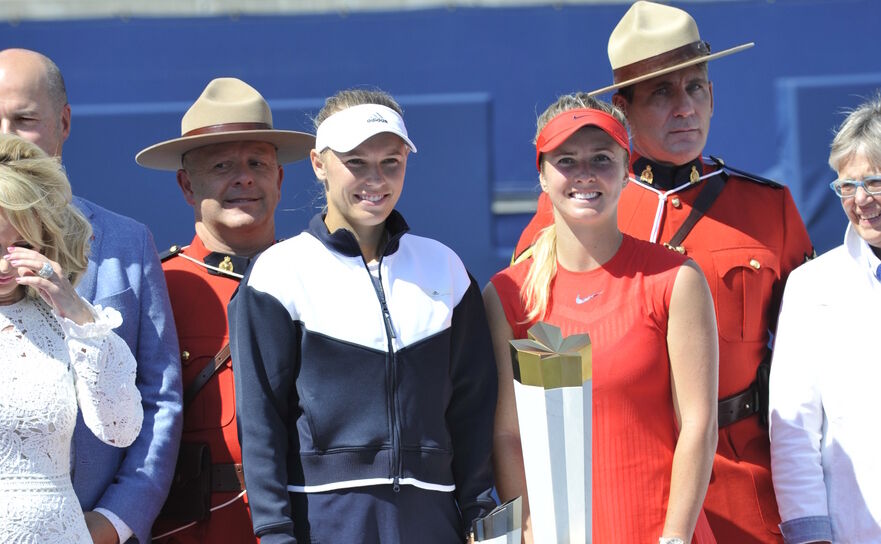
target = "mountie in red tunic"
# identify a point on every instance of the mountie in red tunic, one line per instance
(200, 284)
(747, 243)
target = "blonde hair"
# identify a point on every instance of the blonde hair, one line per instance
(36, 197)
(536, 290)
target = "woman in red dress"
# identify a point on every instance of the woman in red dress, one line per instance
(650, 318)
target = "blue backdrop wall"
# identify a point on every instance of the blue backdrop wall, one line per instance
(471, 81)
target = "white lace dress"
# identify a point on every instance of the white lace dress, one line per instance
(48, 368)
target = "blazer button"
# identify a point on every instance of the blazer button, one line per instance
(184, 355)
(675, 201)
(755, 264)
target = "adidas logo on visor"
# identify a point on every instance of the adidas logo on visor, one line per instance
(376, 118)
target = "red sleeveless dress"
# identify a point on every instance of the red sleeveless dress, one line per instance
(623, 306)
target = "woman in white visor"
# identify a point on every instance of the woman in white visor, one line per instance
(364, 368)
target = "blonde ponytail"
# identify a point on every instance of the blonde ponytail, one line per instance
(536, 290)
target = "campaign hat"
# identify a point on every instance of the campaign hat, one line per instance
(228, 110)
(653, 39)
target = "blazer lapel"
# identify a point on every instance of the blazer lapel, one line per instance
(87, 286)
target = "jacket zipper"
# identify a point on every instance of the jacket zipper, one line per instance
(391, 375)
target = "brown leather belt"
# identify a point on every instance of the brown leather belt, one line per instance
(227, 478)
(739, 406)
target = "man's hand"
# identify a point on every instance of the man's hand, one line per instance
(101, 529)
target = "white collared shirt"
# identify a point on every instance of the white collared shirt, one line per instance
(825, 382)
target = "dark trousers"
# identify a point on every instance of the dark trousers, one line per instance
(377, 515)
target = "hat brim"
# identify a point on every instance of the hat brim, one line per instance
(292, 146)
(667, 70)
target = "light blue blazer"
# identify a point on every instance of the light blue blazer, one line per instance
(124, 273)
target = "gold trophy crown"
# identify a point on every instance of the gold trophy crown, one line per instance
(548, 360)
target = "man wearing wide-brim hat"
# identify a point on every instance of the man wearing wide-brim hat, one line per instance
(744, 232)
(228, 162)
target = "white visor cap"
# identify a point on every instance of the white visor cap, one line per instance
(347, 129)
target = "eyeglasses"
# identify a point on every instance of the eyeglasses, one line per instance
(847, 188)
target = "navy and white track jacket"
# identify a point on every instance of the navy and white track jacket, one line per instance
(340, 384)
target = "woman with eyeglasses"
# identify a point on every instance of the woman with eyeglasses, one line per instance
(825, 374)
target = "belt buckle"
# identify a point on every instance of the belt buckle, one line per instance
(739, 406)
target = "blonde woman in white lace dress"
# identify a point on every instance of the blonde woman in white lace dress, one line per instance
(57, 352)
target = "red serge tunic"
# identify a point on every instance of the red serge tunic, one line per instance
(623, 306)
(199, 299)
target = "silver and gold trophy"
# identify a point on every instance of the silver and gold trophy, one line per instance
(552, 389)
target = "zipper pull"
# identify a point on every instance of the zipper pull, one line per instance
(388, 322)
(396, 487)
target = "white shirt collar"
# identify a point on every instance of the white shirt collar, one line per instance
(862, 252)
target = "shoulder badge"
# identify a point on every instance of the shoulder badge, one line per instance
(744, 174)
(170, 252)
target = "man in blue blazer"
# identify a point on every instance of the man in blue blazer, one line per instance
(120, 490)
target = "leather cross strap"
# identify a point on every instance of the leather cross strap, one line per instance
(712, 189)
(205, 374)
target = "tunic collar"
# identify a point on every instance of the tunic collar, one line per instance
(226, 263)
(219, 264)
(665, 177)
